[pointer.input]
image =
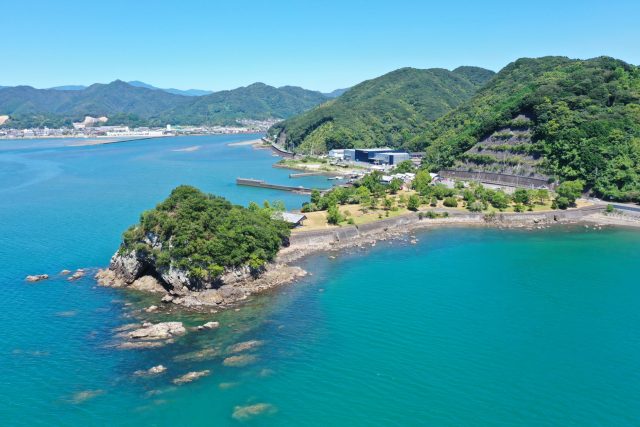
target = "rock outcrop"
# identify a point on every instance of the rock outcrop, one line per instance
(155, 370)
(158, 331)
(36, 277)
(191, 376)
(137, 271)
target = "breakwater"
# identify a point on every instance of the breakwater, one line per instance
(249, 182)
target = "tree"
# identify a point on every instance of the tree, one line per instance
(543, 195)
(405, 166)
(363, 195)
(334, 216)
(413, 203)
(521, 196)
(395, 185)
(388, 203)
(315, 197)
(499, 200)
(570, 190)
(422, 182)
(561, 202)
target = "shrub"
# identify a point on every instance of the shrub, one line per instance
(413, 203)
(450, 202)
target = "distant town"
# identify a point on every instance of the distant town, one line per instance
(97, 128)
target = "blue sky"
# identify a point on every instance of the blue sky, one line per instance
(319, 45)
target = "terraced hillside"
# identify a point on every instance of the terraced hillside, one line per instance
(507, 156)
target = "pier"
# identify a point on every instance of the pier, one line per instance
(249, 182)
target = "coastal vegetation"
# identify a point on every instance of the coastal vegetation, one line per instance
(388, 110)
(205, 234)
(369, 200)
(584, 118)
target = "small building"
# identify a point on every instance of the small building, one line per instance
(292, 218)
(336, 154)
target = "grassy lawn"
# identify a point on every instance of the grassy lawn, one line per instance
(359, 214)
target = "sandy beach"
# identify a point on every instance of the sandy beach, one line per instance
(241, 143)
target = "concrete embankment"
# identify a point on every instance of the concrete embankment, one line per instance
(249, 182)
(305, 242)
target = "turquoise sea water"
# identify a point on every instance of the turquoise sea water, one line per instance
(468, 327)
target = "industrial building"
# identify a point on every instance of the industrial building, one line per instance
(387, 156)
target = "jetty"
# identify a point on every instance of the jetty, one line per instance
(250, 182)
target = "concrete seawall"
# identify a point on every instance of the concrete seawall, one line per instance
(315, 238)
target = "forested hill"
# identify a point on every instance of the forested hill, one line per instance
(388, 110)
(585, 121)
(130, 105)
(257, 101)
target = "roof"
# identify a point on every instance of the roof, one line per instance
(291, 217)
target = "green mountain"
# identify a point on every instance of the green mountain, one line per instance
(257, 101)
(579, 119)
(388, 110)
(138, 106)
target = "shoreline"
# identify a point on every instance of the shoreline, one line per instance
(238, 285)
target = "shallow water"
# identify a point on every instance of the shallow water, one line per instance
(468, 327)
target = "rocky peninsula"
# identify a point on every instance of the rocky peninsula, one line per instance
(201, 252)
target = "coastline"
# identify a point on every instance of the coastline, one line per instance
(238, 285)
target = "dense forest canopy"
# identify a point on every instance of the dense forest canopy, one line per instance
(204, 234)
(388, 110)
(585, 120)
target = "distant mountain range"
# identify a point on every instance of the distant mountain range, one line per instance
(134, 105)
(336, 93)
(137, 83)
(388, 110)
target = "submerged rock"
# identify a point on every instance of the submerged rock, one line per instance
(239, 360)
(246, 412)
(244, 346)
(151, 308)
(36, 277)
(139, 345)
(198, 356)
(191, 376)
(65, 272)
(85, 395)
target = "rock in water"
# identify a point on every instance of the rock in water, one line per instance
(65, 272)
(239, 360)
(191, 376)
(242, 413)
(151, 308)
(158, 331)
(75, 276)
(36, 277)
(244, 346)
(209, 325)
(155, 370)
